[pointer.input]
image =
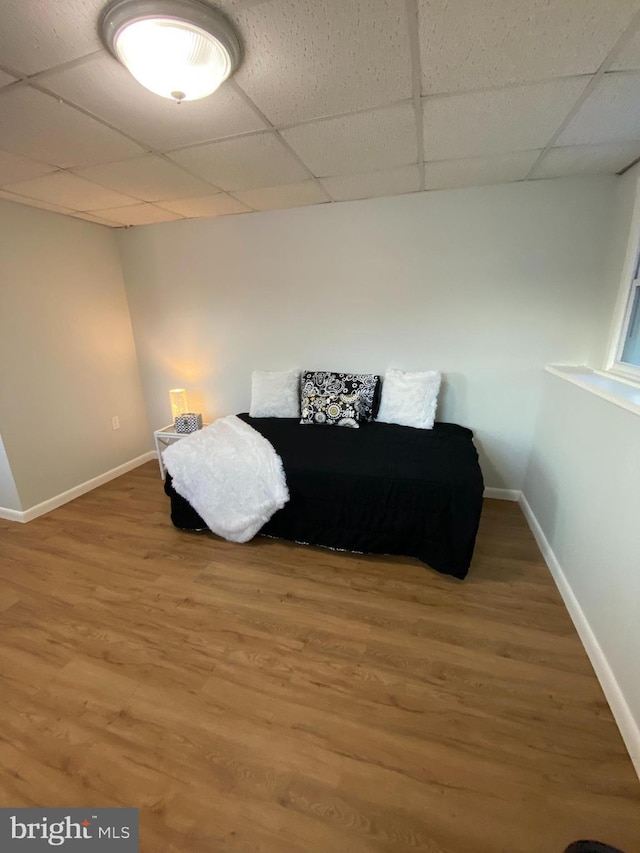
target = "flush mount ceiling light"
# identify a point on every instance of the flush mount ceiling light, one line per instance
(179, 49)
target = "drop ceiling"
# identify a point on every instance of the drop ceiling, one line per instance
(334, 100)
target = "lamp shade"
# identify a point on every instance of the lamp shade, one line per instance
(179, 405)
(180, 49)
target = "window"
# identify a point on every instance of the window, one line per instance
(625, 354)
(631, 337)
(624, 347)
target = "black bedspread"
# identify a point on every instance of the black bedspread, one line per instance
(382, 488)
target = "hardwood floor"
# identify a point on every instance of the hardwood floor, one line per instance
(276, 698)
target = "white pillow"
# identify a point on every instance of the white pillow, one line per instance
(275, 394)
(409, 399)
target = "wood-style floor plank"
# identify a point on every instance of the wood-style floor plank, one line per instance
(276, 698)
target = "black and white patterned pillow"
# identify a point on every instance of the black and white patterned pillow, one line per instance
(331, 410)
(321, 383)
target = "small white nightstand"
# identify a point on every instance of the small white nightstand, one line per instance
(163, 438)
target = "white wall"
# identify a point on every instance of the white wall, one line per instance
(583, 485)
(487, 284)
(67, 356)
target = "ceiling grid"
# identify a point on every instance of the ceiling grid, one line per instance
(333, 101)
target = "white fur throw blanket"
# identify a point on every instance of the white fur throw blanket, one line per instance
(230, 475)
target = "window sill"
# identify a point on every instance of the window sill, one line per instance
(620, 392)
(620, 372)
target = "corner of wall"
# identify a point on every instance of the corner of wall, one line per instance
(10, 502)
(627, 725)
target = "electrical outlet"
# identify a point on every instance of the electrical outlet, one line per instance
(115, 422)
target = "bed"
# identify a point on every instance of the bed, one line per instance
(383, 489)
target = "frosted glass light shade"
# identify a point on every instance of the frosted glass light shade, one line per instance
(173, 59)
(178, 49)
(179, 405)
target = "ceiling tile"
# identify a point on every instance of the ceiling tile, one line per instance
(587, 159)
(629, 59)
(33, 202)
(472, 44)
(138, 214)
(231, 5)
(41, 127)
(497, 121)
(244, 163)
(70, 191)
(219, 204)
(404, 179)
(357, 143)
(89, 217)
(611, 113)
(477, 171)
(15, 168)
(5, 79)
(37, 34)
(150, 178)
(105, 88)
(307, 59)
(289, 195)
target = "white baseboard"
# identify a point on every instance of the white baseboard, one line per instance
(619, 708)
(502, 494)
(10, 514)
(76, 491)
